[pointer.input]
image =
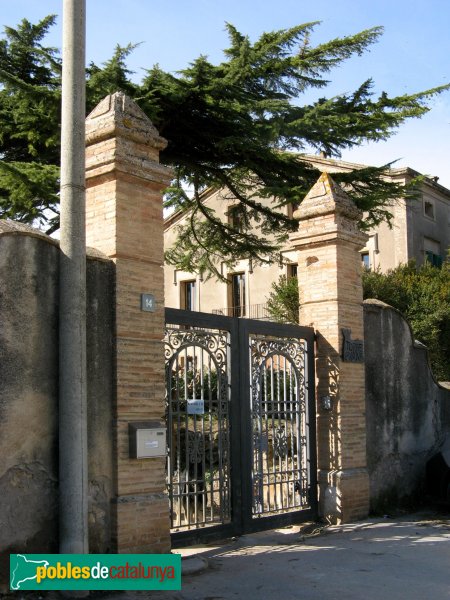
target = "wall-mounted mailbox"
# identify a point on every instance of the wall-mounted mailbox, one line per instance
(147, 439)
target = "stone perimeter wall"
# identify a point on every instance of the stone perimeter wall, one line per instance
(407, 411)
(29, 287)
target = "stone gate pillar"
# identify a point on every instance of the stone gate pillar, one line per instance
(124, 219)
(329, 273)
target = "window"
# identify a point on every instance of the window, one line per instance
(235, 216)
(365, 258)
(237, 284)
(188, 295)
(434, 259)
(432, 251)
(428, 208)
(291, 271)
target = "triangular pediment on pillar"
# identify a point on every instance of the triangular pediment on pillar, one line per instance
(325, 197)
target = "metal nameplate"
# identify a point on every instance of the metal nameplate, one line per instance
(352, 350)
(148, 302)
(195, 407)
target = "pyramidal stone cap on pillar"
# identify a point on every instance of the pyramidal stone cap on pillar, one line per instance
(117, 115)
(120, 137)
(326, 197)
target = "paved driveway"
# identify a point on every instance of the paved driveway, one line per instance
(378, 559)
(405, 558)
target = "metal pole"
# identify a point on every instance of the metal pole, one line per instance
(72, 334)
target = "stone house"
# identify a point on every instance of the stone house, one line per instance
(420, 230)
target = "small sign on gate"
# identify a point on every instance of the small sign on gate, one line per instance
(195, 406)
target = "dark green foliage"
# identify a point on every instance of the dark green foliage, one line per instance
(423, 297)
(112, 77)
(283, 303)
(189, 384)
(238, 126)
(30, 76)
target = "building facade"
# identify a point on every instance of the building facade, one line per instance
(420, 230)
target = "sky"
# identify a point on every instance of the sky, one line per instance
(411, 56)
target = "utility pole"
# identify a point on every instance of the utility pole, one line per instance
(73, 476)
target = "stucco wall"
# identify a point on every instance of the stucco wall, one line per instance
(407, 411)
(29, 392)
(212, 294)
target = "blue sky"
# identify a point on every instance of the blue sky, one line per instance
(412, 55)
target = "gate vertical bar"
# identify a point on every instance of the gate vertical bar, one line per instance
(246, 425)
(311, 418)
(237, 439)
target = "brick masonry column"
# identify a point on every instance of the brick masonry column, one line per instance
(329, 271)
(124, 219)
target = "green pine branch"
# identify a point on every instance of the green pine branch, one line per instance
(236, 126)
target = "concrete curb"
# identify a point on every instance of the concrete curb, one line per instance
(192, 565)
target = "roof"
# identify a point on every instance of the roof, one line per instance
(326, 164)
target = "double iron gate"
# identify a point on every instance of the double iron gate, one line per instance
(240, 424)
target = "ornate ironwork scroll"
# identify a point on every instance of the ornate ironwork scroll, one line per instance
(279, 423)
(197, 401)
(280, 442)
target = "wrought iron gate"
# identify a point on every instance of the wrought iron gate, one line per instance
(240, 423)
